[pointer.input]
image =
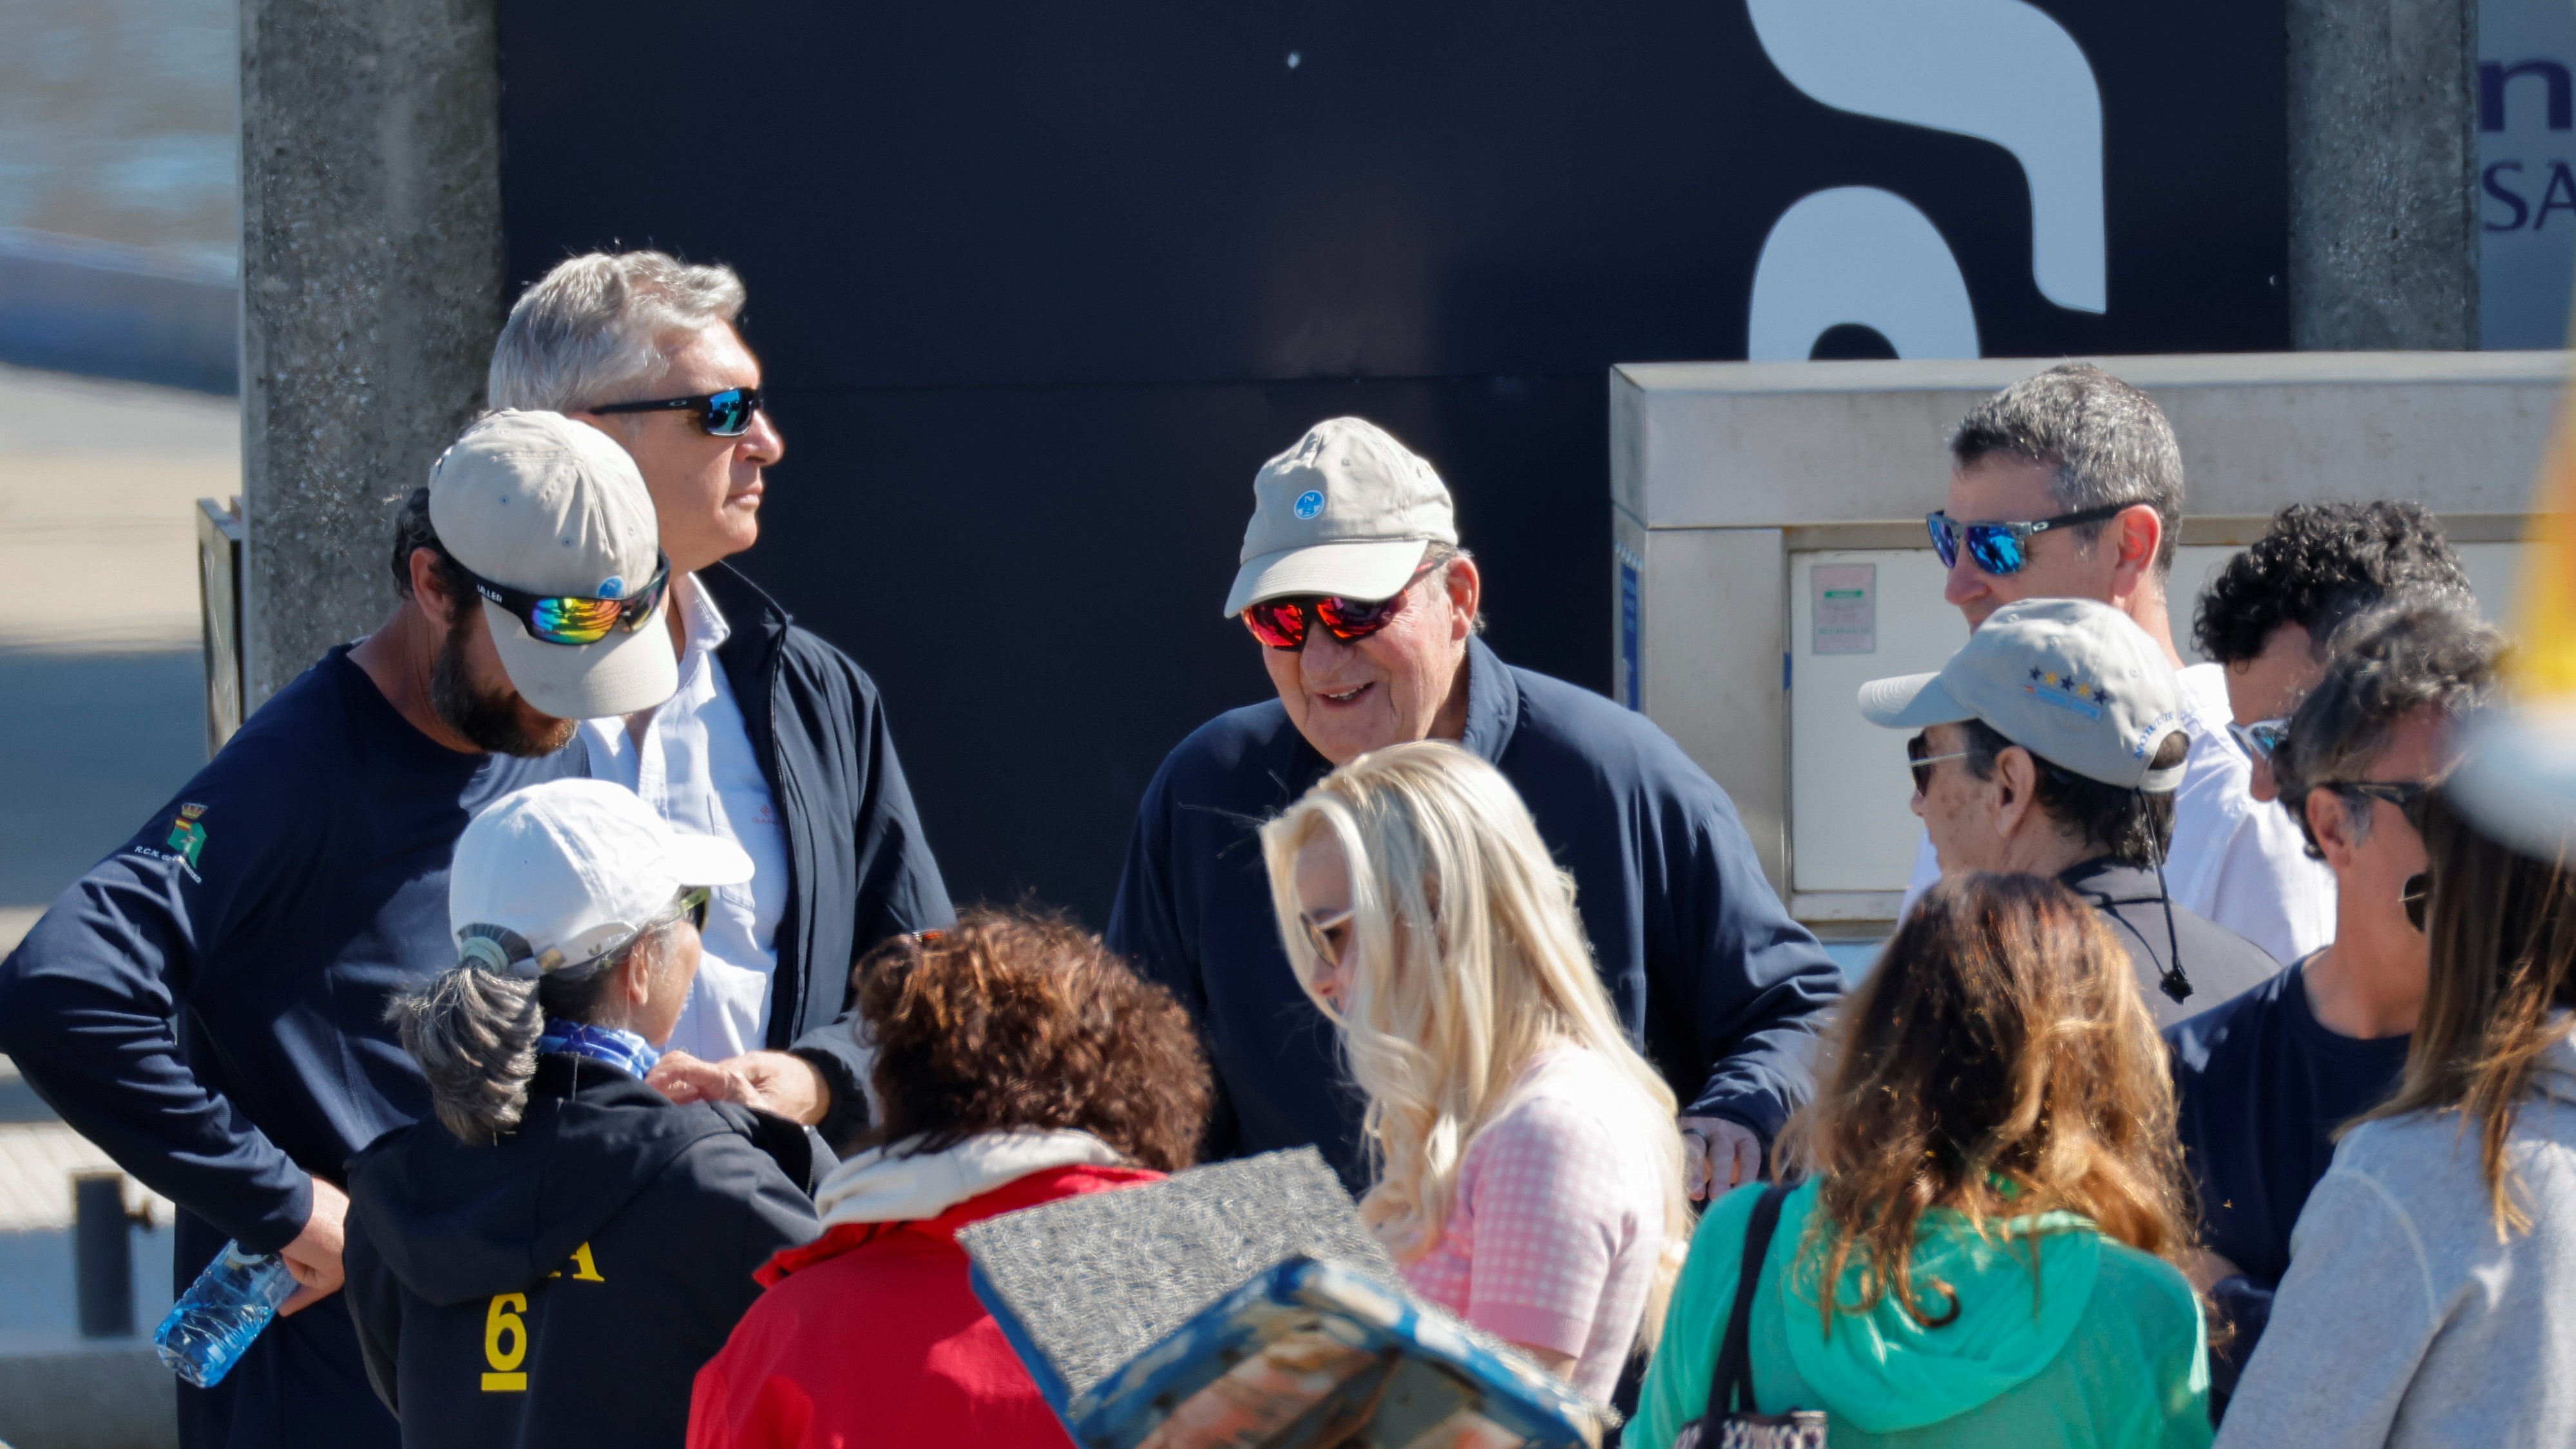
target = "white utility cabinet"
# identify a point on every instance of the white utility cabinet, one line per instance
(1771, 552)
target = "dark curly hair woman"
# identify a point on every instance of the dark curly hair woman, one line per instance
(1017, 1062)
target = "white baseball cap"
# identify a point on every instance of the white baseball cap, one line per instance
(540, 503)
(556, 874)
(2073, 681)
(1347, 511)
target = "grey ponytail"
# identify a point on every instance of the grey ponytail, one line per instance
(474, 1034)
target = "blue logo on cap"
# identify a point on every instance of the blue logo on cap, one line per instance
(612, 587)
(1310, 503)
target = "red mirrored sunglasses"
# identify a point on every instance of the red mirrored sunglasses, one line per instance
(1281, 623)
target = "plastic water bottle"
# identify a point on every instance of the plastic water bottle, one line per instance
(211, 1326)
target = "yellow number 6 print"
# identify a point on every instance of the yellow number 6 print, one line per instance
(505, 1344)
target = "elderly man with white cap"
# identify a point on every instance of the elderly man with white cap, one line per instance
(208, 1003)
(2051, 744)
(1366, 613)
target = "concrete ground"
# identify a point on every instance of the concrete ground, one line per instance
(102, 716)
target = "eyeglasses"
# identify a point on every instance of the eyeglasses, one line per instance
(2415, 895)
(725, 414)
(2004, 548)
(693, 904)
(1329, 934)
(2259, 739)
(2401, 793)
(1919, 758)
(1281, 623)
(573, 619)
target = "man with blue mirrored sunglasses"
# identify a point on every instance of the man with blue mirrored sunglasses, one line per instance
(775, 739)
(2069, 485)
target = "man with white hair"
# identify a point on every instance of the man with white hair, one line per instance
(1366, 612)
(775, 739)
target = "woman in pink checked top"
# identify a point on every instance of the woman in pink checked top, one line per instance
(1529, 1170)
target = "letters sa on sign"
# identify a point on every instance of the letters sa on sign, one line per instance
(1846, 608)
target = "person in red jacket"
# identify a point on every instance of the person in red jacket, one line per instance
(1017, 1062)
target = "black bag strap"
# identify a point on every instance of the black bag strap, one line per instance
(1730, 1390)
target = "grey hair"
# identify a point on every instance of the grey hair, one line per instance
(2108, 442)
(474, 1032)
(1440, 556)
(2424, 649)
(597, 323)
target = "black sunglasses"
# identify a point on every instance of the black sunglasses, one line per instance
(2401, 793)
(725, 414)
(1920, 759)
(693, 904)
(2416, 894)
(2004, 548)
(572, 619)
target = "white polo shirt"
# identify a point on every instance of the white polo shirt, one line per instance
(691, 759)
(2237, 861)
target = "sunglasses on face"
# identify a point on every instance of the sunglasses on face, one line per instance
(1920, 759)
(725, 414)
(1281, 623)
(2401, 793)
(1329, 934)
(2004, 548)
(2415, 895)
(693, 904)
(572, 619)
(2259, 739)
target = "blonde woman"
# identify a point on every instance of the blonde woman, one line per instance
(1529, 1172)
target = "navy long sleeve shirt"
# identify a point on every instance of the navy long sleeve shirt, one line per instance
(207, 1004)
(1712, 978)
(2260, 1086)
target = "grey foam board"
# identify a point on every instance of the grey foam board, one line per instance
(1097, 1279)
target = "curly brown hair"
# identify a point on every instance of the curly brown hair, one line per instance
(1997, 1062)
(1017, 1019)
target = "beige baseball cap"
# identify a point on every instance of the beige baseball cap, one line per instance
(1348, 511)
(540, 503)
(2073, 681)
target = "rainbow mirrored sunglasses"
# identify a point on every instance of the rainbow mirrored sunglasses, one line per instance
(572, 619)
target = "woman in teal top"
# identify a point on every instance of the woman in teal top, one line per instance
(1995, 1193)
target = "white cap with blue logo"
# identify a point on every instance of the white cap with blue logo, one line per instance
(1348, 511)
(2073, 681)
(539, 503)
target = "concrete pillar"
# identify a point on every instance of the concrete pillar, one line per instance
(371, 292)
(2383, 174)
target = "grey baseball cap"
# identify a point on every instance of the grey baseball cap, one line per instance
(2073, 681)
(538, 502)
(1348, 511)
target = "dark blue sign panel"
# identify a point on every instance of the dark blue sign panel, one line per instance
(1039, 286)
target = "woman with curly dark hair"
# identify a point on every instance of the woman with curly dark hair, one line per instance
(1984, 1251)
(1017, 1062)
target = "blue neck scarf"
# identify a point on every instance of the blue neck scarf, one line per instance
(623, 1050)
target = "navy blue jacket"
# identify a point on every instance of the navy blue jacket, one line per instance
(564, 1284)
(207, 1004)
(1710, 975)
(858, 866)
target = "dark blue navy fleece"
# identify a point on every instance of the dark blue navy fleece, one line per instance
(2261, 1085)
(207, 1004)
(1708, 972)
